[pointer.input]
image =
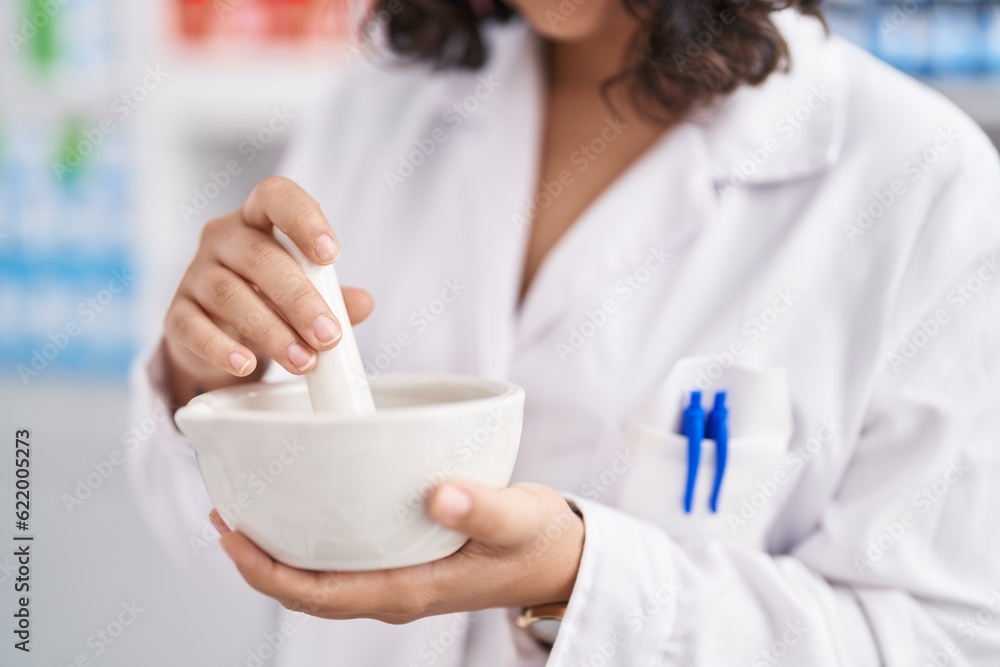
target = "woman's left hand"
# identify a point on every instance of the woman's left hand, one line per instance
(524, 549)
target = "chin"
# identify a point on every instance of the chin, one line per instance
(568, 20)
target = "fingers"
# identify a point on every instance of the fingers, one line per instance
(266, 575)
(188, 325)
(359, 304)
(401, 594)
(279, 202)
(227, 298)
(259, 259)
(508, 517)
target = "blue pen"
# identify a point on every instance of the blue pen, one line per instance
(717, 429)
(693, 428)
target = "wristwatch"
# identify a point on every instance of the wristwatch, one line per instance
(542, 622)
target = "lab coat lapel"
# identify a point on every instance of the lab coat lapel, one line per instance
(502, 144)
(655, 206)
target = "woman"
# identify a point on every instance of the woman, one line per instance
(613, 204)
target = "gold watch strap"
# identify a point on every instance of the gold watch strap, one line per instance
(542, 622)
(543, 612)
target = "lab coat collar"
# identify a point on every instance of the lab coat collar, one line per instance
(612, 237)
(686, 167)
(789, 127)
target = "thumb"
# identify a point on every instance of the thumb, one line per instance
(505, 517)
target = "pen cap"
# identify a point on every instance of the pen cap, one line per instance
(719, 404)
(693, 420)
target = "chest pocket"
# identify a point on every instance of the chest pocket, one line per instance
(755, 479)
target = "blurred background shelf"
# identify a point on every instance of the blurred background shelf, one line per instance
(980, 98)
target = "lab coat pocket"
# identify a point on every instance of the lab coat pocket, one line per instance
(760, 430)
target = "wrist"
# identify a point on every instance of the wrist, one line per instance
(574, 537)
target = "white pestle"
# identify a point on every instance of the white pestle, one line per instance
(338, 382)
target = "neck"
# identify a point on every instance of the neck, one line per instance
(592, 61)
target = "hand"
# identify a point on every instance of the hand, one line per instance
(524, 550)
(244, 296)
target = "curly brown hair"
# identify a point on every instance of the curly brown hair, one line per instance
(685, 54)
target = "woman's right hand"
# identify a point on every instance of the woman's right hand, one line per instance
(244, 299)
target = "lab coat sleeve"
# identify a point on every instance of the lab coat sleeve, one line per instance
(902, 568)
(164, 476)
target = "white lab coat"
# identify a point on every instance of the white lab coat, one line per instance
(824, 246)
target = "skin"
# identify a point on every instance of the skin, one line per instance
(244, 301)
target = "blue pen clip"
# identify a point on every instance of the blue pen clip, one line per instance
(693, 428)
(717, 429)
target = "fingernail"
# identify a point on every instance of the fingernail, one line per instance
(301, 358)
(216, 521)
(239, 362)
(326, 329)
(326, 249)
(452, 503)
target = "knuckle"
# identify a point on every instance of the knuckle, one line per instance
(407, 603)
(307, 217)
(293, 606)
(397, 620)
(173, 323)
(212, 347)
(270, 333)
(272, 186)
(224, 289)
(407, 600)
(301, 298)
(263, 252)
(253, 320)
(211, 230)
